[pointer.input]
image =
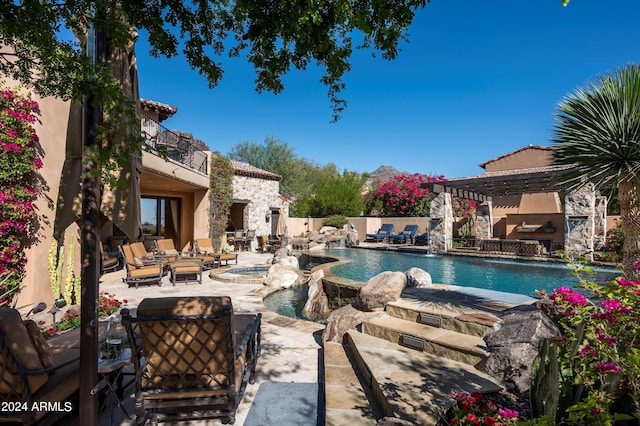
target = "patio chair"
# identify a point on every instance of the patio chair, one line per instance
(248, 239)
(192, 357)
(264, 245)
(138, 271)
(205, 246)
(238, 238)
(383, 233)
(407, 234)
(34, 371)
(166, 247)
(141, 255)
(108, 262)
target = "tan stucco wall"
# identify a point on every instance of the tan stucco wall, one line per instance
(547, 202)
(364, 225)
(535, 220)
(529, 157)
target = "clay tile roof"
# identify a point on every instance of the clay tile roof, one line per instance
(543, 148)
(164, 111)
(517, 172)
(246, 169)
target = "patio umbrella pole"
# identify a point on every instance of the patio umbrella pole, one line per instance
(90, 272)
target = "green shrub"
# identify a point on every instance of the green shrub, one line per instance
(335, 220)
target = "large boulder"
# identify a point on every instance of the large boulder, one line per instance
(344, 319)
(513, 347)
(418, 278)
(317, 305)
(383, 288)
(288, 261)
(282, 276)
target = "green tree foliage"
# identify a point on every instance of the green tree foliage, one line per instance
(300, 177)
(274, 37)
(220, 196)
(598, 134)
(335, 195)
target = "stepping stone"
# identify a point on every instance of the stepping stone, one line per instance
(411, 385)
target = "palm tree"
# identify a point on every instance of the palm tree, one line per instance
(598, 133)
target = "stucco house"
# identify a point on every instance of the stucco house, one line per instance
(169, 195)
(529, 201)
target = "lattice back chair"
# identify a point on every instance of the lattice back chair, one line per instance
(139, 271)
(193, 357)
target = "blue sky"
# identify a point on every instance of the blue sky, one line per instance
(476, 80)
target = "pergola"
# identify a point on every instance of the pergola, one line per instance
(514, 181)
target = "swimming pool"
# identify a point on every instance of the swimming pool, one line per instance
(512, 276)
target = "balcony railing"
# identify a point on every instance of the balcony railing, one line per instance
(176, 146)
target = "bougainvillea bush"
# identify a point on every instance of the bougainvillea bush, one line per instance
(477, 409)
(404, 196)
(19, 159)
(599, 352)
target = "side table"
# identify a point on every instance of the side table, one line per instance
(111, 373)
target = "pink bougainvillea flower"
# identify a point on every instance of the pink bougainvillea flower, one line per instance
(506, 413)
(607, 367)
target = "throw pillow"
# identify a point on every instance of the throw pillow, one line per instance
(41, 345)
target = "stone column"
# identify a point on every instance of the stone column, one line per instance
(579, 214)
(441, 223)
(484, 220)
(600, 222)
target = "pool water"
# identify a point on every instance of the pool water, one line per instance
(511, 276)
(288, 302)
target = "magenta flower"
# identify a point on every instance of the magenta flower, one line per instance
(506, 413)
(607, 367)
(628, 283)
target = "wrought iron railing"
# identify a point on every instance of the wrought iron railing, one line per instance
(175, 146)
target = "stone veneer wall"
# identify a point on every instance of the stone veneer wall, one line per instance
(484, 220)
(264, 196)
(441, 232)
(585, 216)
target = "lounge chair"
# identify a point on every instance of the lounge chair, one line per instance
(141, 255)
(166, 247)
(422, 240)
(383, 233)
(108, 262)
(192, 357)
(408, 234)
(139, 271)
(205, 246)
(34, 371)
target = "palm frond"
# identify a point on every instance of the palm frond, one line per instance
(597, 129)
